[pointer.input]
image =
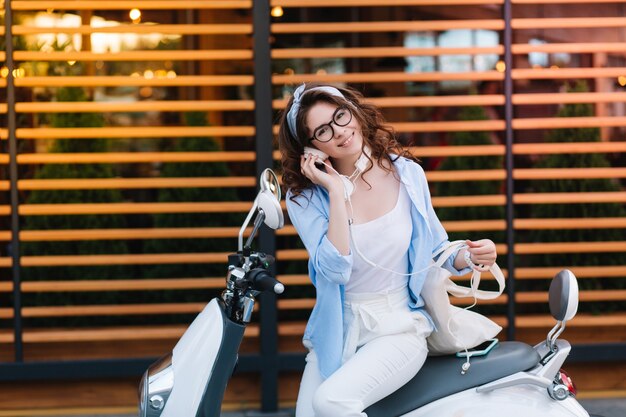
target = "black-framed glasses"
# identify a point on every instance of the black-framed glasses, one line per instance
(341, 117)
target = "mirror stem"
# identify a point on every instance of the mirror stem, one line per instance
(258, 221)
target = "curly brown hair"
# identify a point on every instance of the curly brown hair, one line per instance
(377, 134)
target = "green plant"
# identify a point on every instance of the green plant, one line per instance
(67, 222)
(196, 220)
(469, 187)
(578, 210)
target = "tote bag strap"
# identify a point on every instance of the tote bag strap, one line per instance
(459, 291)
(473, 291)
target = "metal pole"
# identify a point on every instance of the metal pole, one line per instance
(13, 174)
(508, 111)
(267, 241)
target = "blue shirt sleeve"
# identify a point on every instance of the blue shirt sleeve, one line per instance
(309, 215)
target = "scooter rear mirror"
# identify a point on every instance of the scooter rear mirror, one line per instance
(563, 296)
(266, 205)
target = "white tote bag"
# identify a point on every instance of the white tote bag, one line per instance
(457, 328)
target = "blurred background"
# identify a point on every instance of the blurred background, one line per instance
(132, 134)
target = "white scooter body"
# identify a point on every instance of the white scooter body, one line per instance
(512, 380)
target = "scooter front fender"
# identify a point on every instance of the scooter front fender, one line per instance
(191, 381)
(517, 401)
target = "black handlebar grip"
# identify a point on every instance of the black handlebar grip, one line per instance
(263, 281)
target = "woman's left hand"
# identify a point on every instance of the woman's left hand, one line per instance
(482, 252)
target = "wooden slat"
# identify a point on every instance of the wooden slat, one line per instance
(199, 29)
(466, 175)
(137, 233)
(377, 52)
(581, 272)
(124, 259)
(133, 208)
(583, 295)
(565, 1)
(181, 55)
(387, 77)
(568, 173)
(472, 150)
(569, 147)
(469, 201)
(5, 236)
(560, 98)
(378, 3)
(130, 81)
(385, 26)
(138, 106)
(120, 285)
(114, 333)
(568, 122)
(569, 247)
(134, 157)
(566, 73)
(473, 225)
(451, 126)
(573, 223)
(130, 234)
(5, 262)
(570, 198)
(112, 310)
(572, 48)
(133, 183)
(568, 22)
(123, 5)
(134, 132)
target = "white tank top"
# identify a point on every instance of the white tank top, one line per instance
(384, 241)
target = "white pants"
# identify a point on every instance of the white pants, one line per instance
(385, 347)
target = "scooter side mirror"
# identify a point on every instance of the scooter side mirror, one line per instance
(563, 296)
(266, 206)
(268, 200)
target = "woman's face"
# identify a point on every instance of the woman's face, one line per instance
(345, 141)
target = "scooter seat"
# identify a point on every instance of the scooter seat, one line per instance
(441, 376)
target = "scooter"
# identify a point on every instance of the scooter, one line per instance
(514, 379)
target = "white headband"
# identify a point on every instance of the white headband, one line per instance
(295, 107)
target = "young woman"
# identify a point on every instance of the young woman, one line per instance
(367, 222)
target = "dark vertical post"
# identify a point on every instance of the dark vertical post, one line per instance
(510, 213)
(14, 196)
(264, 159)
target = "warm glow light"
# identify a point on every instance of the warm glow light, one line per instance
(500, 66)
(171, 74)
(70, 63)
(277, 11)
(289, 71)
(135, 14)
(554, 67)
(622, 80)
(19, 73)
(4, 72)
(148, 74)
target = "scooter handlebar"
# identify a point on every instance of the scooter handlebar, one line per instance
(263, 281)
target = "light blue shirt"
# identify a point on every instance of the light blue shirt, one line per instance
(329, 270)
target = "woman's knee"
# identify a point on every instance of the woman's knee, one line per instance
(328, 402)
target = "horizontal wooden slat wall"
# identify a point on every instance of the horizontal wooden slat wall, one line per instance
(136, 165)
(367, 46)
(131, 195)
(571, 63)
